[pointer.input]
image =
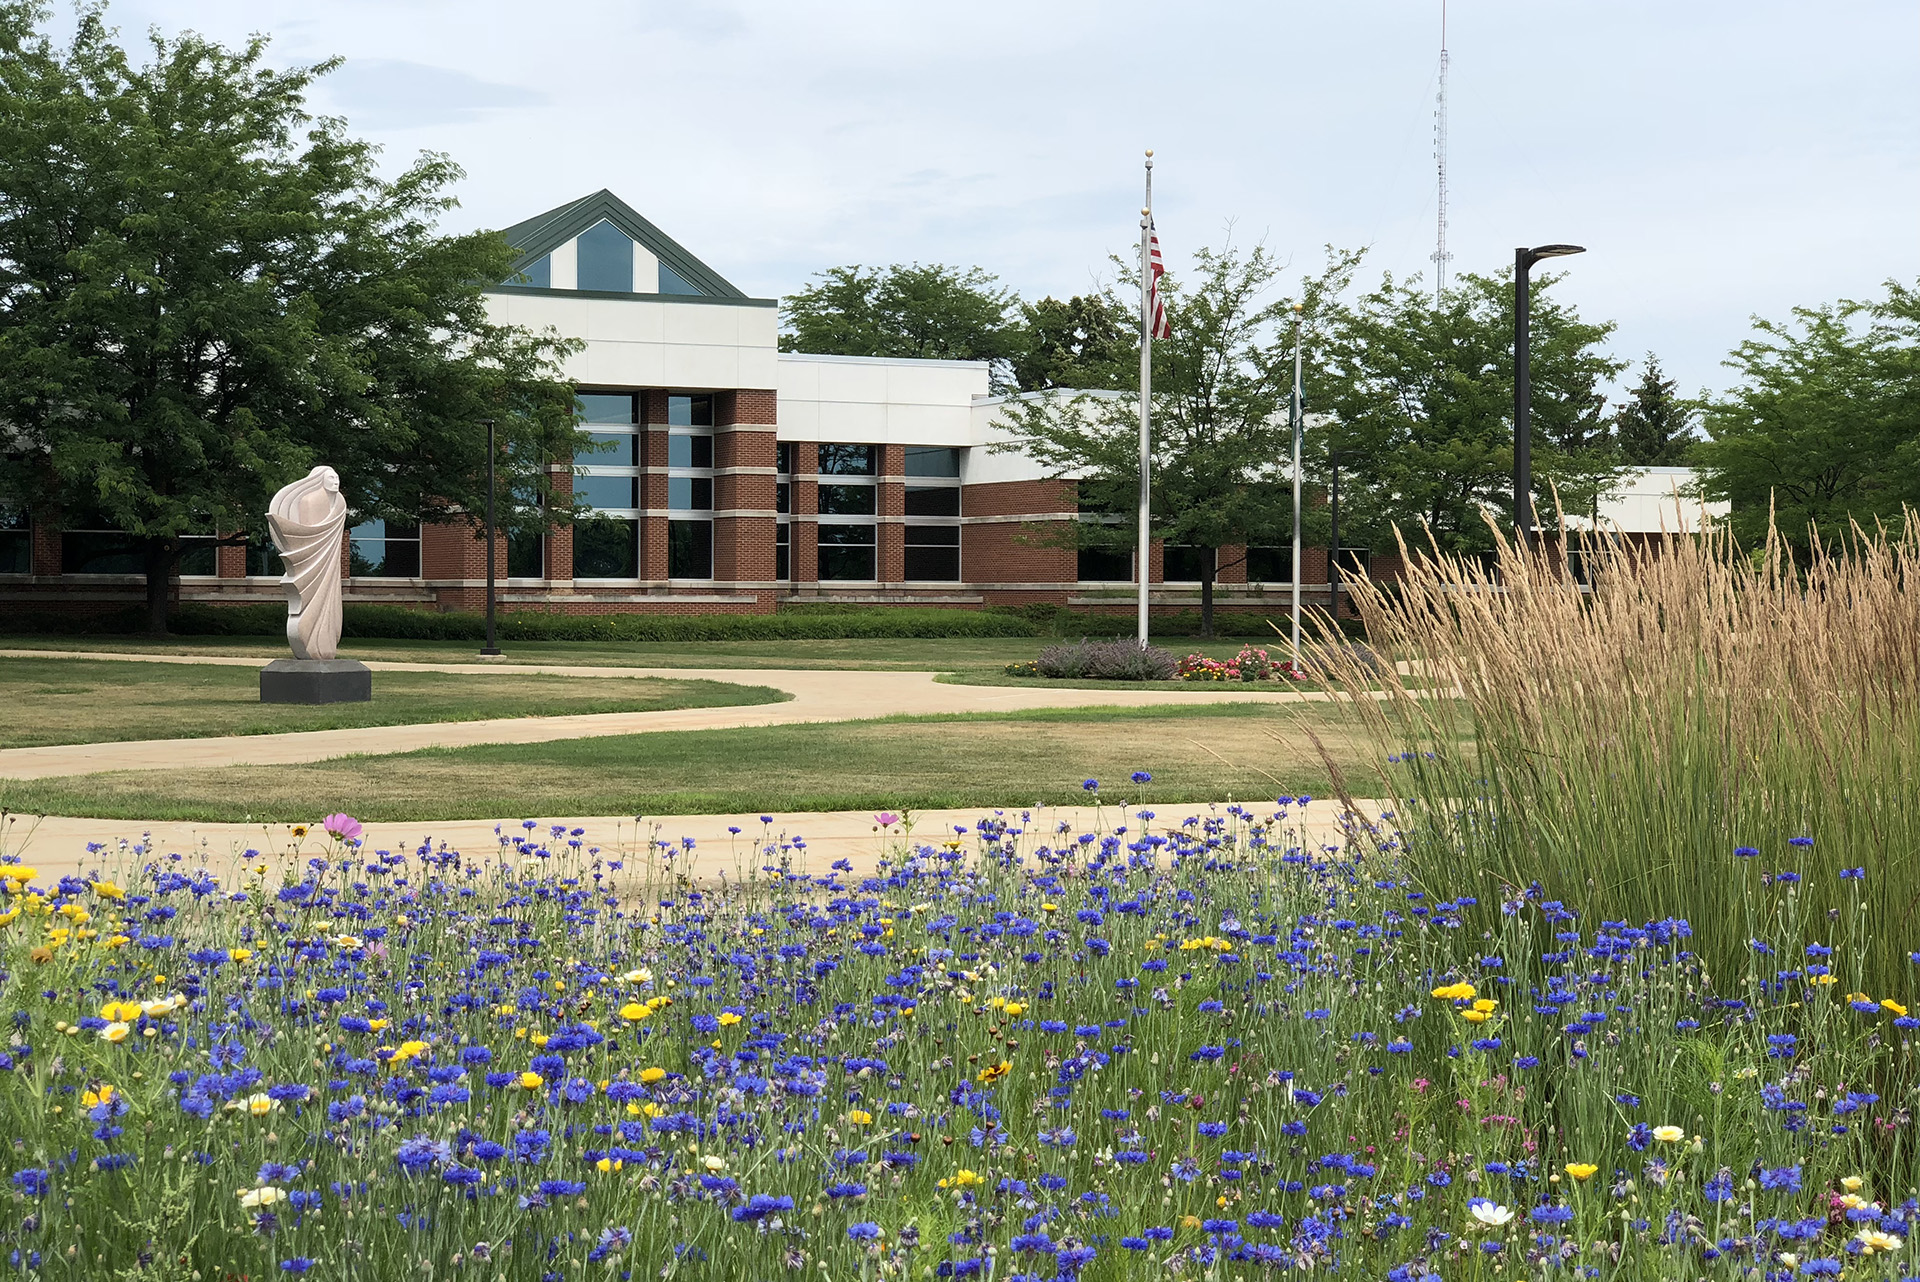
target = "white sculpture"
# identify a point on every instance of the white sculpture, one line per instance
(307, 519)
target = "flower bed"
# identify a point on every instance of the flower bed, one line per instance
(1252, 664)
(1135, 1050)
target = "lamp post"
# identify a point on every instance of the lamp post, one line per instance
(1294, 412)
(1333, 553)
(1523, 261)
(491, 649)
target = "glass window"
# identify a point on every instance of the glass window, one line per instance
(933, 553)
(690, 549)
(689, 451)
(605, 407)
(605, 548)
(848, 500)
(384, 550)
(263, 562)
(672, 282)
(98, 552)
(199, 556)
(1353, 562)
(538, 273)
(526, 555)
(782, 497)
(783, 458)
(849, 460)
(783, 551)
(1182, 563)
(16, 541)
(617, 492)
(933, 500)
(689, 411)
(846, 552)
(1105, 565)
(1270, 565)
(932, 460)
(690, 493)
(606, 449)
(605, 258)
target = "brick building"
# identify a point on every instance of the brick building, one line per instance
(724, 475)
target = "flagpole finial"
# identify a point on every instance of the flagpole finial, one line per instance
(1149, 153)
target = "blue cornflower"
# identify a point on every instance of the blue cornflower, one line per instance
(1089, 785)
(1799, 841)
(865, 1231)
(1745, 852)
(298, 1264)
(34, 1181)
(1141, 776)
(1853, 874)
(1783, 1179)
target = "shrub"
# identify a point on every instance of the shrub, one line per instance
(1117, 660)
(1252, 664)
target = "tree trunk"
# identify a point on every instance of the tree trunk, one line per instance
(1208, 565)
(159, 557)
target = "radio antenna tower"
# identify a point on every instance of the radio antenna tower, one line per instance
(1440, 255)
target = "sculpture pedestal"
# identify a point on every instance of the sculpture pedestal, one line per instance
(316, 681)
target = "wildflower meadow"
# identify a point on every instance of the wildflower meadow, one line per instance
(1199, 1046)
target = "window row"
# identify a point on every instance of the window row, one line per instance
(1183, 564)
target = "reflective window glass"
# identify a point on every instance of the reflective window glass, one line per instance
(690, 493)
(1270, 565)
(538, 273)
(615, 449)
(16, 541)
(932, 460)
(846, 552)
(605, 407)
(606, 549)
(690, 411)
(690, 549)
(605, 259)
(689, 451)
(848, 500)
(608, 491)
(1105, 565)
(672, 282)
(933, 500)
(849, 460)
(525, 556)
(1182, 563)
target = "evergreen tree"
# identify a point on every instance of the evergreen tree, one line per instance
(1655, 428)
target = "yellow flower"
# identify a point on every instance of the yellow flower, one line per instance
(266, 1195)
(107, 890)
(1462, 992)
(1852, 1183)
(1581, 1170)
(1889, 1004)
(1189, 1221)
(993, 1072)
(607, 1164)
(1474, 1016)
(531, 1081)
(651, 1075)
(635, 1011)
(1669, 1134)
(638, 975)
(239, 954)
(962, 1178)
(259, 1105)
(407, 1051)
(1872, 1240)
(115, 1032)
(1049, 908)
(1015, 1009)
(1823, 980)
(714, 1162)
(120, 1010)
(728, 1019)
(860, 1117)
(299, 830)
(98, 1096)
(1486, 1005)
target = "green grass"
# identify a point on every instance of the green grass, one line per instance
(1194, 754)
(985, 655)
(55, 701)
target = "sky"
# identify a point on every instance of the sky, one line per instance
(1719, 160)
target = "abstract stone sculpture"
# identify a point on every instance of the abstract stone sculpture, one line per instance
(307, 519)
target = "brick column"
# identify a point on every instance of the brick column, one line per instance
(744, 438)
(891, 555)
(230, 562)
(46, 543)
(1235, 573)
(804, 498)
(560, 539)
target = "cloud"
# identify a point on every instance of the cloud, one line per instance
(388, 93)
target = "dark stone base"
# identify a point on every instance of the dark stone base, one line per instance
(316, 681)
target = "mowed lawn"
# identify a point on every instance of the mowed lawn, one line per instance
(55, 701)
(1198, 754)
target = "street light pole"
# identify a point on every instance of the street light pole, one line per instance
(1333, 553)
(1523, 261)
(491, 649)
(1298, 431)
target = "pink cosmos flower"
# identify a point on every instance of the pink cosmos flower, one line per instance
(886, 819)
(345, 827)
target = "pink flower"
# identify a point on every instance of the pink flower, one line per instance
(886, 819)
(345, 827)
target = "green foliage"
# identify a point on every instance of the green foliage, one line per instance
(909, 309)
(1421, 404)
(1824, 428)
(211, 290)
(1655, 428)
(1088, 342)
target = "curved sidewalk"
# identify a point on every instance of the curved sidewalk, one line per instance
(58, 846)
(819, 695)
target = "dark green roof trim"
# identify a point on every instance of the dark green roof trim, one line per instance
(543, 233)
(737, 300)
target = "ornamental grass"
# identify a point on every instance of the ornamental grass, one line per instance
(1708, 723)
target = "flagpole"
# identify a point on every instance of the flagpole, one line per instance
(1298, 432)
(1143, 563)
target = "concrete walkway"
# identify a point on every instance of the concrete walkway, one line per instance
(818, 696)
(58, 846)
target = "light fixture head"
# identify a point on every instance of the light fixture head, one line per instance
(1556, 251)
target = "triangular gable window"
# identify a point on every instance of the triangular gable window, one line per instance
(538, 273)
(605, 259)
(672, 282)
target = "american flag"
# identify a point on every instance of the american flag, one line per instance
(1156, 306)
